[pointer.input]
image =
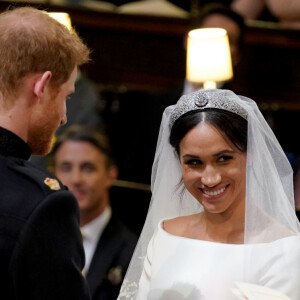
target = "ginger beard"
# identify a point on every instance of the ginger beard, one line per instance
(47, 119)
(49, 115)
(40, 137)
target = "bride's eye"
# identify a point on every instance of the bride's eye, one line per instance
(225, 158)
(193, 162)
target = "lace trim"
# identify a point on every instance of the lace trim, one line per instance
(128, 290)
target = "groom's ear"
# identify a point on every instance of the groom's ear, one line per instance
(40, 84)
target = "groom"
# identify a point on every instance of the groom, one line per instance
(41, 253)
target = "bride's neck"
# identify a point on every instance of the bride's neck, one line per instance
(225, 227)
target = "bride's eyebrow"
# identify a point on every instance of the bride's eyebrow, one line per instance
(191, 156)
(224, 152)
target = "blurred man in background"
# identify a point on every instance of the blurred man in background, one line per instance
(82, 160)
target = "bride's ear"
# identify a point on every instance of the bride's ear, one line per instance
(40, 84)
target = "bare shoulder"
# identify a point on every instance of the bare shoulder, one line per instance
(178, 226)
(174, 226)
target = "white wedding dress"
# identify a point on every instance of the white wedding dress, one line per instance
(182, 268)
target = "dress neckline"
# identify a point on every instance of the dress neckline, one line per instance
(166, 233)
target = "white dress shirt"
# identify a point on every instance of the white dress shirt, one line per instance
(92, 233)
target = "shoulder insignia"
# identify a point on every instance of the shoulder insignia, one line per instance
(52, 183)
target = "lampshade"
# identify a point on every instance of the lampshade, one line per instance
(208, 55)
(62, 17)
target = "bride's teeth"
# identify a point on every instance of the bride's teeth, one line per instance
(215, 192)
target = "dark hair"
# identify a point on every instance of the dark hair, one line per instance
(81, 133)
(231, 125)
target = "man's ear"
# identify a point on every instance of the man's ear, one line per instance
(41, 83)
(112, 174)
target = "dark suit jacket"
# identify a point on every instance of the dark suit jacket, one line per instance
(41, 253)
(110, 261)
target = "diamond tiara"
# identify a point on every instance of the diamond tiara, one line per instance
(202, 99)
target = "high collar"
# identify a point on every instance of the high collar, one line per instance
(12, 145)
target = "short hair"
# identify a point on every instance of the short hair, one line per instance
(231, 125)
(83, 133)
(31, 42)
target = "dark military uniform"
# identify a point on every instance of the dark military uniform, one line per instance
(41, 253)
(110, 260)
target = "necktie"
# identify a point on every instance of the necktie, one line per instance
(83, 238)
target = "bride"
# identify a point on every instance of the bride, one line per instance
(222, 208)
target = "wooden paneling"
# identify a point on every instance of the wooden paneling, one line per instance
(147, 53)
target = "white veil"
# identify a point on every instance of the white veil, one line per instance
(270, 209)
